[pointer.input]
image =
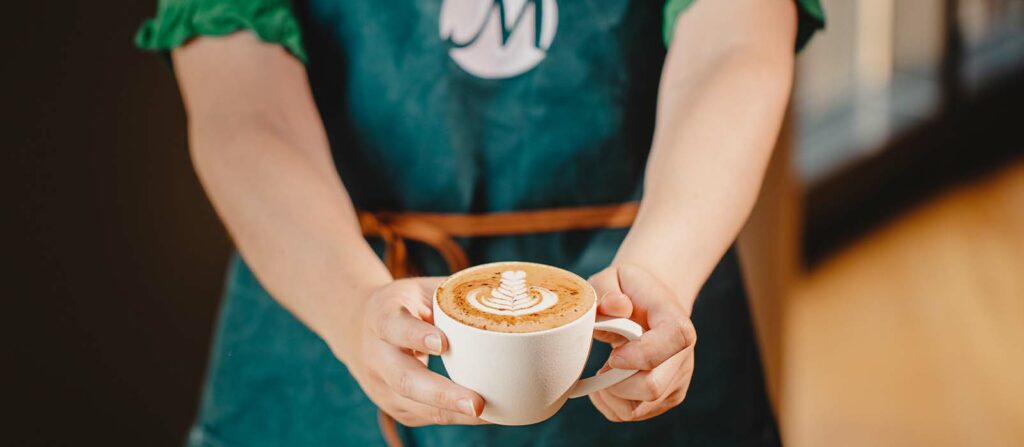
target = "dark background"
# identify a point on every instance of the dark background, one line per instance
(119, 258)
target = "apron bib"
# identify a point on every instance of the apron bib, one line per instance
(479, 106)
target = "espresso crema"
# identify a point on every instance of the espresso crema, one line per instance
(515, 297)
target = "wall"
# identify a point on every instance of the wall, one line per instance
(118, 258)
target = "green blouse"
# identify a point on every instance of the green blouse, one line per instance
(273, 21)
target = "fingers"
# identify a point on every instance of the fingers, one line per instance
(613, 409)
(613, 339)
(656, 345)
(611, 302)
(617, 409)
(649, 386)
(630, 411)
(662, 353)
(395, 376)
(415, 414)
(645, 386)
(405, 315)
(408, 378)
(647, 394)
(658, 307)
(648, 293)
(400, 328)
(609, 412)
(428, 285)
(413, 294)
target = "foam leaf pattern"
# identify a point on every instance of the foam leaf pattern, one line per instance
(513, 296)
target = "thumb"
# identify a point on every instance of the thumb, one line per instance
(423, 302)
(615, 304)
(429, 283)
(610, 299)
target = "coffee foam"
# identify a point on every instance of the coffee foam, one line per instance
(515, 297)
(512, 297)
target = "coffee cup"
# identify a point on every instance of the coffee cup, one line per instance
(524, 377)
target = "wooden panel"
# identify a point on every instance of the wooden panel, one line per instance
(915, 334)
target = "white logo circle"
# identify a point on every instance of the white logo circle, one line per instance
(495, 39)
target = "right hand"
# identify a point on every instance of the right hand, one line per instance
(389, 336)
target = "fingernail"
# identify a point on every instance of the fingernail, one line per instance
(466, 406)
(433, 342)
(616, 361)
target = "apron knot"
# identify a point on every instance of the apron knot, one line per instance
(438, 230)
(395, 228)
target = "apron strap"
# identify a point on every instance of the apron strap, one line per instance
(388, 429)
(438, 230)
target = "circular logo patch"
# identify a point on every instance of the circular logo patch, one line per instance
(495, 39)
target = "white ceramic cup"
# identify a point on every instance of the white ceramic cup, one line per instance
(525, 378)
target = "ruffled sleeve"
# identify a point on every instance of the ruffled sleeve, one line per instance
(177, 21)
(810, 18)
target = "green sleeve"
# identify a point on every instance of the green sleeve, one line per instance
(177, 21)
(810, 18)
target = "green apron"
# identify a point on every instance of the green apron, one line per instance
(422, 116)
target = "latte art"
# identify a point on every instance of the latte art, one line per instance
(512, 296)
(515, 297)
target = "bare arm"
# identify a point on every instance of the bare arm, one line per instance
(262, 155)
(723, 92)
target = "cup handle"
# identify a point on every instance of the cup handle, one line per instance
(624, 327)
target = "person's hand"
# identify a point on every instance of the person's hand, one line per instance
(385, 349)
(664, 354)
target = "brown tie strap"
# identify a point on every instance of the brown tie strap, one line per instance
(438, 230)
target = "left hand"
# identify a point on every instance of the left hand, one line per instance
(664, 354)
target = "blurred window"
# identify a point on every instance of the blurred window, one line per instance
(993, 32)
(877, 70)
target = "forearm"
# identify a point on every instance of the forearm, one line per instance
(717, 124)
(262, 155)
(292, 222)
